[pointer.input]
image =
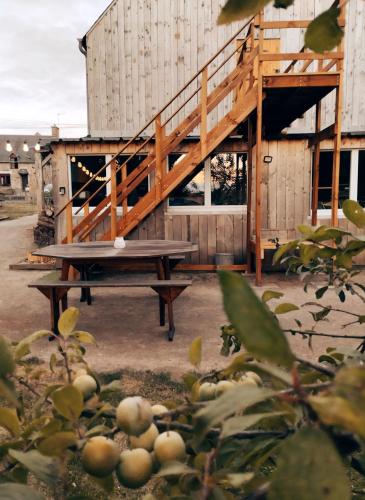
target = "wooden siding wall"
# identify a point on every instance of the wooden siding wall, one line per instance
(140, 52)
(285, 201)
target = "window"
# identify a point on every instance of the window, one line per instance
(361, 178)
(325, 178)
(352, 178)
(220, 181)
(5, 180)
(132, 164)
(82, 168)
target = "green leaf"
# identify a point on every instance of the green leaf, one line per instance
(354, 212)
(57, 444)
(236, 399)
(236, 425)
(68, 401)
(305, 230)
(195, 351)
(9, 420)
(321, 291)
(7, 364)
(256, 327)
(285, 307)
(235, 10)
(68, 321)
(45, 468)
(175, 468)
(84, 337)
(271, 294)
(324, 33)
(308, 468)
(343, 260)
(308, 252)
(7, 391)
(12, 491)
(23, 346)
(280, 252)
(189, 380)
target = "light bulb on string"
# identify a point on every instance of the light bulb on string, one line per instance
(79, 164)
(25, 147)
(8, 147)
(37, 147)
(73, 159)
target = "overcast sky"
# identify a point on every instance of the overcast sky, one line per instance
(42, 72)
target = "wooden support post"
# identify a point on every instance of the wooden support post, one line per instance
(204, 113)
(69, 223)
(113, 200)
(125, 199)
(86, 213)
(258, 165)
(317, 151)
(249, 198)
(337, 131)
(159, 172)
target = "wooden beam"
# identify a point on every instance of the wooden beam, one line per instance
(69, 223)
(301, 80)
(204, 112)
(158, 155)
(113, 200)
(322, 135)
(210, 267)
(300, 56)
(258, 162)
(317, 152)
(278, 25)
(125, 198)
(86, 213)
(249, 197)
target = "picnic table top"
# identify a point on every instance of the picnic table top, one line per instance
(105, 249)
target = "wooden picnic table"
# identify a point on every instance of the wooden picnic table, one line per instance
(83, 255)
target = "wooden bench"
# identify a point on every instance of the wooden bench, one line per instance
(56, 291)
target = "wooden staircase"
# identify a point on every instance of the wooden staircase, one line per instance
(266, 103)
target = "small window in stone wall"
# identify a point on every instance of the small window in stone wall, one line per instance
(5, 180)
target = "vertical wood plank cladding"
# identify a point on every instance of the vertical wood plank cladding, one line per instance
(121, 67)
(131, 122)
(194, 236)
(114, 56)
(221, 243)
(272, 185)
(212, 238)
(203, 238)
(291, 172)
(239, 238)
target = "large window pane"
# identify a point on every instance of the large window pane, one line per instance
(228, 179)
(361, 179)
(191, 191)
(142, 187)
(82, 167)
(325, 178)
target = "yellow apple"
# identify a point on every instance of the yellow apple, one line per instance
(224, 386)
(145, 440)
(169, 446)
(244, 380)
(134, 415)
(86, 384)
(134, 468)
(254, 376)
(159, 410)
(207, 391)
(100, 456)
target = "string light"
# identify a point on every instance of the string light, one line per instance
(87, 172)
(25, 147)
(8, 147)
(37, 147)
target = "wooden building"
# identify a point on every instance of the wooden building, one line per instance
(181, 113)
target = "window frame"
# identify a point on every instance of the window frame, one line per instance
(7, 174)
(325, 213)
(208, 208)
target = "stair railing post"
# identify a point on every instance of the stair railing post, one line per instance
(86, 213)
(124, 198)
(159, 171)
(69, 223)
(204, 112)
(113, 200)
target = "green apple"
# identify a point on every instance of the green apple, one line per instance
(207, 391)
(134, 415)
(86, 384)
(100, 456)
(256, 377)
(145, 440)
(244, 380)
(134, 468)
(169, 446)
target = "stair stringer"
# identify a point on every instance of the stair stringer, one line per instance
(239, 113)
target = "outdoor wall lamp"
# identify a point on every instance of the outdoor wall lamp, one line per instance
(62, 190)
(267, 159)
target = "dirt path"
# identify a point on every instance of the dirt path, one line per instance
(125, 322)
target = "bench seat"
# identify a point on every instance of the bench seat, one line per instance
(56, 291)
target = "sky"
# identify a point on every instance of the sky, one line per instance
(42, 71)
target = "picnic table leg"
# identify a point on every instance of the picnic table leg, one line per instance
(65, 270)
(161, 276)
(170, 313)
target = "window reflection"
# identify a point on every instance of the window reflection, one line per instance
(191, 191)
(228, 179)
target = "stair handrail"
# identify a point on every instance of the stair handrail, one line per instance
(139, 133)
